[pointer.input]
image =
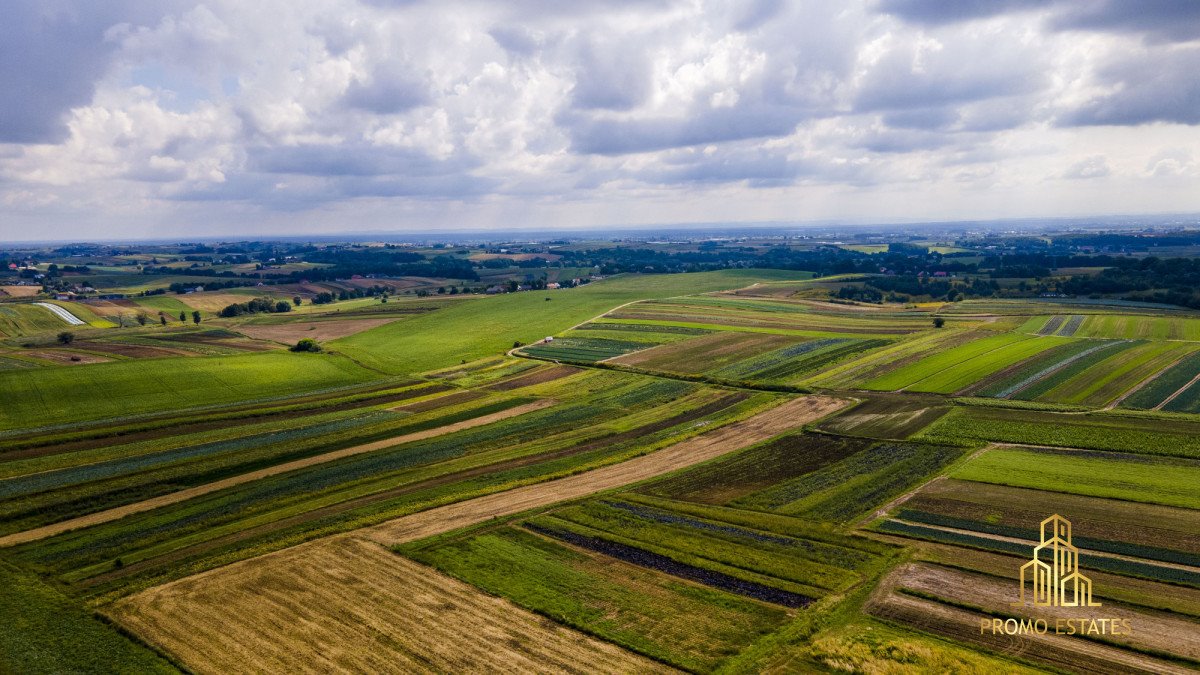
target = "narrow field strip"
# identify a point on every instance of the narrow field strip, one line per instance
(226, 619)
(1049, 370)
(790, 415)
(1178, 392)
(61, 313)
(183, 495)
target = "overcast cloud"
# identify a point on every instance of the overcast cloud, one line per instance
(118, 119)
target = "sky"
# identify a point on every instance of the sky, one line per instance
(126, 119)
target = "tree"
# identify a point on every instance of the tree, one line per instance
(182, 316)
(162, 318)
(282, 306)
(142, 318)
(66, 337)
(196, 317)
(938, 322)
(297, 300)
(306, 345)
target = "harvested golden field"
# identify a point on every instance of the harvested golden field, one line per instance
(348, 605)
(214, 301)
(189, 493)
(289, 333)
(20, 291)
(227, 619)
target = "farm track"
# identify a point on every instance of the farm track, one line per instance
(1178, 393)
(228, 619)
(189, 493)
(410, 488)
(721, 441)
(1145, 382)
(347, 605)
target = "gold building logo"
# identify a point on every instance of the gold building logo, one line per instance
(1052, 576)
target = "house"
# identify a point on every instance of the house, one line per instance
(553, 284)
(493, 290)
(548, 338)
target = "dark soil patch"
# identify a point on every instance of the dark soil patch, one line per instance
(662, 563)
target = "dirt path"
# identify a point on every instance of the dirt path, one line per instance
(189, 493)
(1178, 392)
(723, 440)
(346, 605)
(1141, 385)
(319, 607)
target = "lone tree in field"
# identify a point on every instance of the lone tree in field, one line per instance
(66, 337)
(306, 345)
(182, 316)
(162, 318)
(938, 322)
(296, 301)
(142, 318)
(196, 317)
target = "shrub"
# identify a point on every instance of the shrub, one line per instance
(306, 345)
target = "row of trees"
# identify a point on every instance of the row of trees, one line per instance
(256, 306)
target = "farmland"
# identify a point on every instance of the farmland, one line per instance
(738, 470)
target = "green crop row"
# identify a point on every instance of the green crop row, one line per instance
(1151, 436)
(851, 486)
(1157, 481)
(1101, 563)
(1167, 383)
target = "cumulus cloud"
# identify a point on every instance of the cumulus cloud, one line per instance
(225, 110)
(1092, 167)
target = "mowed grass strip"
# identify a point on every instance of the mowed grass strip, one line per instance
(1167, 482)
(931, 366)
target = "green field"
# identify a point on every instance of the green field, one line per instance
(46, 632)
(492, 325)
(1096, 432)
(197, 450)
(1172, 483)
(110, 390)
